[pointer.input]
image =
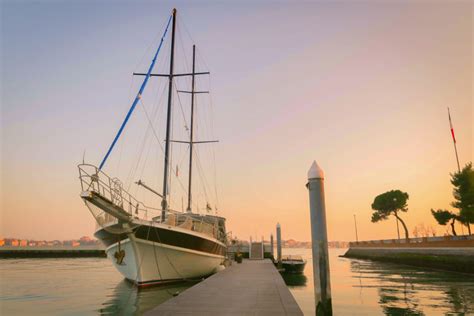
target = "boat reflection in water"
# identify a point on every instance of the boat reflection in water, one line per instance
(294, 279)
(128, 299)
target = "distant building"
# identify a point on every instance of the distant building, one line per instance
(87, 241)
(23, 243)
(14, 243)
(2, 242)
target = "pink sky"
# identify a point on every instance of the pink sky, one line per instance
(360, 87)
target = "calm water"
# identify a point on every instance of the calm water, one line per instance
(369, 288)
(92, 286)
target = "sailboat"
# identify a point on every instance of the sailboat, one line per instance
(154, 245)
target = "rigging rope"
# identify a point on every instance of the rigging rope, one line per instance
(139, 167)
(155, 134)
(150, 127)
(138, 97)
(157, 111)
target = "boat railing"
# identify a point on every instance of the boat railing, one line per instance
(292, 258)
(192, 222)
(95, 180)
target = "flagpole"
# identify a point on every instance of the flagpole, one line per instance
(355, 224)
(454, 140)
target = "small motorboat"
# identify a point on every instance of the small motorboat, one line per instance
(293, 264)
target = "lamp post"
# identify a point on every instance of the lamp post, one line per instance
(355, 224)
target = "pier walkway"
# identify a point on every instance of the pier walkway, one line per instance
(250, 288)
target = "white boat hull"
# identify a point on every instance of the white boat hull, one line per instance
(149, 252)
(147, 262)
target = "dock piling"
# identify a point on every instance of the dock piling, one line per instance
(322, 284)
(278, 232)
(271, 247)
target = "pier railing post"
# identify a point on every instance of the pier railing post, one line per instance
(319, 240)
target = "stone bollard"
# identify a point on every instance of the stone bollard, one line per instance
(319, 240)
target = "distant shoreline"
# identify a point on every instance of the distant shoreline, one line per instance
(52, 252)
(85, 247)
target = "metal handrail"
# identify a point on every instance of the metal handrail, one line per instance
(100, 183)
(97, 181)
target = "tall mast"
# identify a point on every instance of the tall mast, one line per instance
(164, 203)
(191, 139)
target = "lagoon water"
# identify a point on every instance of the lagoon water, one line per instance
(362, 287)
(92, 286)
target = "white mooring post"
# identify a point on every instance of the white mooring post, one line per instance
(319, 240)
(279, 245)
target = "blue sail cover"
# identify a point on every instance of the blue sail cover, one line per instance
(137, 98)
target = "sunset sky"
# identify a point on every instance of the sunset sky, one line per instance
(361, 87)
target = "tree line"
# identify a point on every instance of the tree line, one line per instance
(394, 203)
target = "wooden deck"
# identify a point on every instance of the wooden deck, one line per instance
(250, 288)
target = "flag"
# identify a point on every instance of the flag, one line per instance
(451, 126)
(454, 140)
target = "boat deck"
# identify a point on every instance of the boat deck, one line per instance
(250, 288)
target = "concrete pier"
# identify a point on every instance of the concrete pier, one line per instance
(450, 253)
(250, 288)
(455, 259)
